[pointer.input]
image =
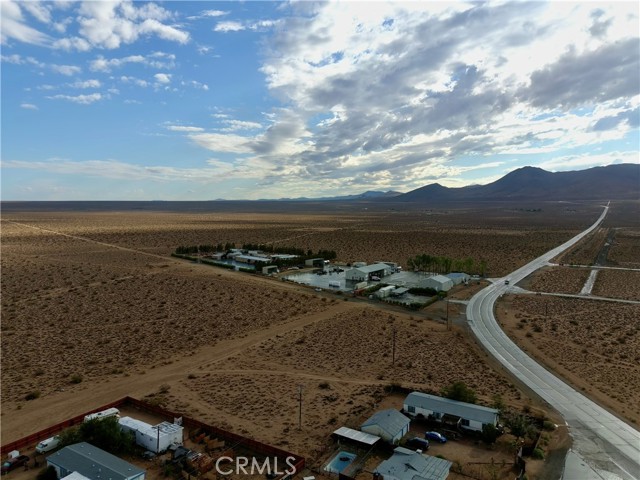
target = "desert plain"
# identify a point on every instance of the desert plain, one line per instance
(94, 308)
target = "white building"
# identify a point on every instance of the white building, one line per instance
(458, 278)
(92, 462)
(465, 415)
(251, 259)
(361, 274)
(156, 438)
(390, 425)
(385, 291)
(406, 464)
(439, 283)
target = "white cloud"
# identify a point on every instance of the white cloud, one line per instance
(163, 78)
(28, 106)
(72, 43)
(229, 26)
(15, 28)
(40, 11)
(136, 81)
(80, 99)
(110, 24)
(214, 13)
(218, 142)
(67, 70)
(234, 125)
(183, 128)
(156, 60)
(86, 84)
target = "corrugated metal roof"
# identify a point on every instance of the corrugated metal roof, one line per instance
(391, 421)
(357, 436)
(468, 411)
(406, 464)
(92, 462)
(376, 267)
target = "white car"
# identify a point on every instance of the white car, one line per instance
(48, 444)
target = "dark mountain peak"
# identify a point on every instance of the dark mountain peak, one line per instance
(620, 181)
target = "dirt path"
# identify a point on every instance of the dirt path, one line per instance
(59, 406)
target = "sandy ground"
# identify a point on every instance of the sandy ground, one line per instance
(102, 311)
(592, 344)
(625, 250)
(624, 284)
(556, 280)
(586, 251)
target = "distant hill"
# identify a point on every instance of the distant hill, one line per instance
(368, 195)
(615, 182)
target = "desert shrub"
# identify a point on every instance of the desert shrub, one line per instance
(538, 454)
(107, 435)
(324, 386)
(548, 426)
(32, 395)
(76, 378)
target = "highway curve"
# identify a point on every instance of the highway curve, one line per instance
(607, 444)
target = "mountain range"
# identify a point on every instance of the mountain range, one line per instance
(619, 182)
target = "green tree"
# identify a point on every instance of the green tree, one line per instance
(107, 435)
(459, 391)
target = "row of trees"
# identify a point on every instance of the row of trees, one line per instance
(444, 265)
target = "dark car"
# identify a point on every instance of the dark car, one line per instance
(13, 463)
(418, 443)
(436, 437)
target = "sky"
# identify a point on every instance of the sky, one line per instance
(205, 100)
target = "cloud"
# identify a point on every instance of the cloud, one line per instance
(15, 28)
(80, 99)
(599, 75)
(28, 106)
(67, 70)
(111, 24)
(163, 78)
(158, 60)
(229, 26)
(86, 84)
(182, 128)
(218, 142)
(208, 14)
(136, 81)
(234, 125)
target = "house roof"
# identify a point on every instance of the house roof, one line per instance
(409, 465)
(440, 279)
(464, 410)
(356, 436)
(391, 421)
(93, 462)
(457, 275)
(253, 257)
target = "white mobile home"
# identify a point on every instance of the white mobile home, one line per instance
(156, 438)
(385, 291)
(109, 412)
(465, 415)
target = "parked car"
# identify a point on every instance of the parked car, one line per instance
(48, 444)
(13, 463)
(418, 443)
(436, 437)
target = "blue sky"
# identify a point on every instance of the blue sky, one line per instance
(243, 100)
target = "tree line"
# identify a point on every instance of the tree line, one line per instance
(444, 265)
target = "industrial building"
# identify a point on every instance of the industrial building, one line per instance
(458, 278)
(268, 270)
(156, 438)
(361, 274)
(390, 425)
(93, 463)
(450, 412)
(439, 283)
(406, 464)
(251, 259)
(314, 262)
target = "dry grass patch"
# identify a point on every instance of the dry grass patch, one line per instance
(557, 280)
(623, 284)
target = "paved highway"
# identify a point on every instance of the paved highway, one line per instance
(607, 444)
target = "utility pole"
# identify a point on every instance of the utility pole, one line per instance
(448, 324)
(299, 407)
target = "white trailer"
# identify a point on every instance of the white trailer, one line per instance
(109, 412)
(156, 438)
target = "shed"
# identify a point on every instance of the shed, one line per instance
(76, 476)
(360, 274)
(270, 269)
(92, 462)
(390, 425)
(406, 464)
(438, 282)
(314, 262)
(470, 416)
(399, 291)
